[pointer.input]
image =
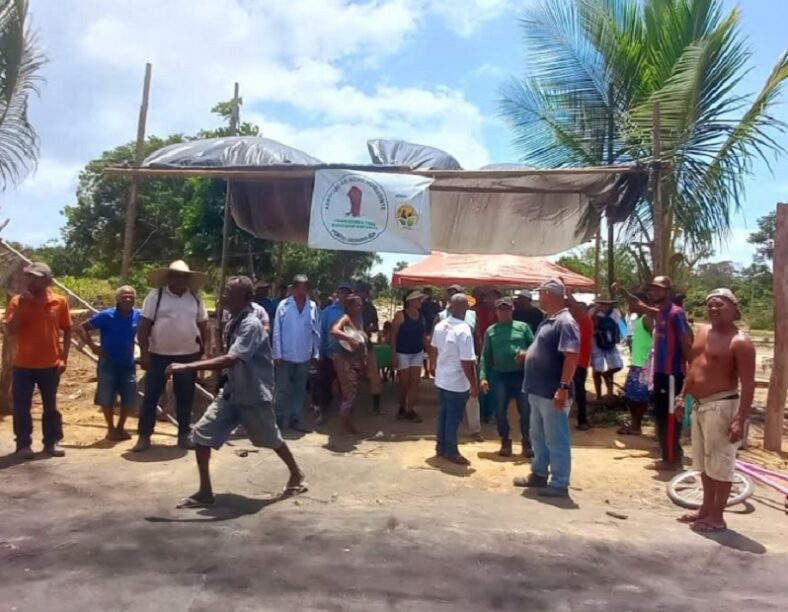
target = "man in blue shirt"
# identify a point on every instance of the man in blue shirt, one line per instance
(262, 297)
(328, 348)
(549, 370)
(117, 376)
(296, 344)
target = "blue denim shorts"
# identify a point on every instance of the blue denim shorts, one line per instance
(115, 381)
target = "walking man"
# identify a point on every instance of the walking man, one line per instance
(549, 371)
(246, 397)
(501, 373)
(455, 376)
(672, 343)
(172, 329)
(296, 344)
(35, 318)
(720, 387)
(116, 372)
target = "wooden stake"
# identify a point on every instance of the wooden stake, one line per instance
(778, 384)
(228, 221)
(131, 208)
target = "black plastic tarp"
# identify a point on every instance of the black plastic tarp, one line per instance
(414, 156)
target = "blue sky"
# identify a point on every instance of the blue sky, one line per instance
(322, 75)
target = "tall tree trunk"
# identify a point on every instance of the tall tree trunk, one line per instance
(778, 384)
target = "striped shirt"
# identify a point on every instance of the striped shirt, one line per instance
(670, 325)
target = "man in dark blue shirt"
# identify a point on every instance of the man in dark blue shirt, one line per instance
(549, 369)
(262, 296)
(117, 376)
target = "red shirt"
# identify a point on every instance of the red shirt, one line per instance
(485, 317)
(586, 337)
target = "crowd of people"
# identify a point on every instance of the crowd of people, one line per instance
(484, 350)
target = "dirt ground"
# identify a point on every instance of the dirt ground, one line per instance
(384, 526)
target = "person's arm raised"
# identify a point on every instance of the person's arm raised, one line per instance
(635, 303)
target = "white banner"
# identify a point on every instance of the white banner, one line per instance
(370, 211)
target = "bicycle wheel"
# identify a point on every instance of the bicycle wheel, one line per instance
(686, 489)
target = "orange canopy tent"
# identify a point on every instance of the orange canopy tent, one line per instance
(444, 269)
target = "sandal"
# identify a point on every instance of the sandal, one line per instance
(293, 490)
(627, 430)
(196, 502)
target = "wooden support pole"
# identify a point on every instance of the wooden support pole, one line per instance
(778, 384)
(598, 261)
(611, 253)
(657, 209)
(131, 207)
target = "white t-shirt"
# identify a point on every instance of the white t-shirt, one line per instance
(174, 329)
(454, 340)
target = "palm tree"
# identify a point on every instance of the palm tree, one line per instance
(20, 62)
(596, 70)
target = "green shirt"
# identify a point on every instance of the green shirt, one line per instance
(502, 343)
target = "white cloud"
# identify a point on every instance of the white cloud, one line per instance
(464, 16)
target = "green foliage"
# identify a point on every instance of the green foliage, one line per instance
(626, 269)
(326, 269)
(99, 292)
(596, 68)
(763, 238)
(20, 64)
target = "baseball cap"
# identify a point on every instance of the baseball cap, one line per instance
(300, 278)
(504, 302)
(554, 286)
(414, 295)
(525, 293)
(662, 282)
(345, 286)
(262, 283)
(456, 288)
(38, 269)
(724, 293)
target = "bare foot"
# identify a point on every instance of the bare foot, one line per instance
(707, 526)
(201, 499)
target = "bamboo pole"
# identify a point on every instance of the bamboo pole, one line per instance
(131, 207)
(658, 212)
(778, 383)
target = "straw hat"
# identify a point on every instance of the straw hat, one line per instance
(158, 278)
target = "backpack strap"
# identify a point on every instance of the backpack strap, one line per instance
(158, 303)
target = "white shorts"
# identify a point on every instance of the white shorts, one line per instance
(712, 451)
(407, 360)
(600, 358)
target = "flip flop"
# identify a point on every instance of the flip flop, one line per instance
(192, 502)
(626, 430)
(702, 527)
(687, 519)
(295, 490)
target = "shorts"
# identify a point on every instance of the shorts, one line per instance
(599, 357)
(712, 451)
(222, 417)
(636, 386)
(115, 381)
(408, 360)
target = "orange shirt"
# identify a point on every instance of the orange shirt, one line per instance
(38, 334)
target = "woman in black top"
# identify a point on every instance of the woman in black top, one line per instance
(408, 343)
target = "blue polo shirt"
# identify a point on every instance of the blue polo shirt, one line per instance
(545, 358)
(329, 346)
(117, 334)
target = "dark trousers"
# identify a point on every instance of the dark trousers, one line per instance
(326, 375)
(183, 386)
(24, 381)
(505, 387)
(662, 402)
(580, 395)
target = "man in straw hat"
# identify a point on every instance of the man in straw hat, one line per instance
(172, 329)
(35, 318)
(672, 343)
(549, 373)
(116, 373)
(719, 389)
(246, 398)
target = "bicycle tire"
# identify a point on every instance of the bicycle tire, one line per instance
(686, 490)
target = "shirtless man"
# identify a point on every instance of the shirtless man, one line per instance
(722, 358)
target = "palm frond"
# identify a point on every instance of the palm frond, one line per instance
(20, 63)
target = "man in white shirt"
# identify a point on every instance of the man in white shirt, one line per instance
(172, 329)
(455, 376)
(296, 344)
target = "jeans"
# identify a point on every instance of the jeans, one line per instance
(24, 381)
(504, 387)
(290, 392)
(662, 403)
(451, 407)
(182, 385)
(551, 441)
(580, 395)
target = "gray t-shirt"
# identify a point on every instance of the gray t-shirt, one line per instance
(250, 381)
(545, 359)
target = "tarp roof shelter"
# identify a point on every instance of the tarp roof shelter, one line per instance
(520, 211)
(474, 270)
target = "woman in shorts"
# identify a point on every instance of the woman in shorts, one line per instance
(408, 342)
